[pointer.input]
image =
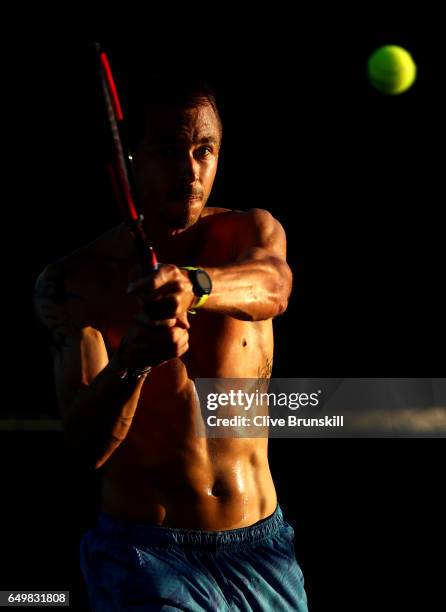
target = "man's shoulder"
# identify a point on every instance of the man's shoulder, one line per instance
(250, 220)
(108, 247)
(87, 273)
(250, 215)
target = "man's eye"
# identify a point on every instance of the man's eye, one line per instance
(204, 151)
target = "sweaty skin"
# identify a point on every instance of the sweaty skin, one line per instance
(141, 436)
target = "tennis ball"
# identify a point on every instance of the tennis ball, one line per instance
(391, 69)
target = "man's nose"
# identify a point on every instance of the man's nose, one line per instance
(189, 169)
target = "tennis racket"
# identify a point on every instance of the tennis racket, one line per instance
(120, 168)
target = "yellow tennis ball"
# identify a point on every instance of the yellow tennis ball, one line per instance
(391, 69)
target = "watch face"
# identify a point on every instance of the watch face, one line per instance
(203, 281)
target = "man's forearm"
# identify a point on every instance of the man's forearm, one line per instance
(251, 290)
(100, 416)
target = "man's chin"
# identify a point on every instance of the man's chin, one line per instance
(183, 216)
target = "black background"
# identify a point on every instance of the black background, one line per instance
(355, 177)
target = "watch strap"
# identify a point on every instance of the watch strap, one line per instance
(200, 299)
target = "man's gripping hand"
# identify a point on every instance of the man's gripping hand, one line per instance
(165, 294)
(159, 332)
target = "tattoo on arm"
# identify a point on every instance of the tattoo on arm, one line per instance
(51, 294)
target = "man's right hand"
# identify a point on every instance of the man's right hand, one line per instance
(151, 343)
(159, 332)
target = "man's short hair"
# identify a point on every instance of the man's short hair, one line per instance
(170, 89)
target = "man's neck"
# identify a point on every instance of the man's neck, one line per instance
(172, 246)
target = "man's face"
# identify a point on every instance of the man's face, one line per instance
(176, 164)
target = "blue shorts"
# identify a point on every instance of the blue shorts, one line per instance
(130, 566)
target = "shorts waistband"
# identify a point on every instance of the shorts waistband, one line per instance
(154, 535)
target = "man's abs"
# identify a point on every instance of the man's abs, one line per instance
(236, 491)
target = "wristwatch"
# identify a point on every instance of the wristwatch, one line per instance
(201, 286)
(130, 375)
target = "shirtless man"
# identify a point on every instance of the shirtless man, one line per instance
(187, 522)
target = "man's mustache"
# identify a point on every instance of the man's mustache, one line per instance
(186, 194)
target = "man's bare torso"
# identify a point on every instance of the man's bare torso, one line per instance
(163, 472)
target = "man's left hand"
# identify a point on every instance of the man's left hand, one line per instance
(165, 294)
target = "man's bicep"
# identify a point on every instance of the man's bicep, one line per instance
(262, 236)
(79, 352)
(77, 361)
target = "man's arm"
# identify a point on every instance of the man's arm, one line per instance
(254, 287)
(258, 284)
(97, 406)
